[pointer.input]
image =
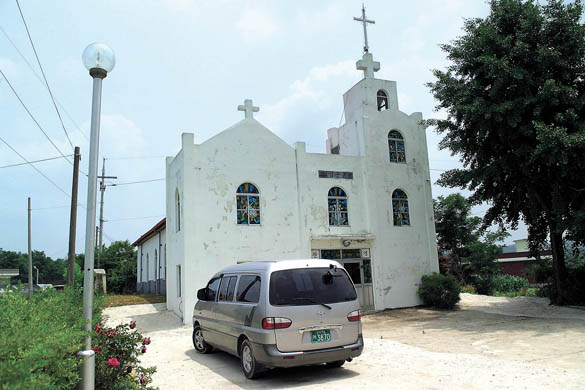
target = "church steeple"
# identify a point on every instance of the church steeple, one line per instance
(367, 63)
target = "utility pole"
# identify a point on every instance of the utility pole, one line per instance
(102, 190)
(30, 266)
(73, 219)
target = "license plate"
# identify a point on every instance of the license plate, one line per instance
(320, 336)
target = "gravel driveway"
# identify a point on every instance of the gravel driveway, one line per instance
(489, 342)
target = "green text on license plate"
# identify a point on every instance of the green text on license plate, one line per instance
(320, 336)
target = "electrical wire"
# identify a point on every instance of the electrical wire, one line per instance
(41, 81)
(44, 76)
(32, 117)
(32, 162)
(134, 182)
(35, 168)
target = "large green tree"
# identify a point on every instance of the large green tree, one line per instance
(514, 96)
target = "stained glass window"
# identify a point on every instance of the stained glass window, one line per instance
(337, 204)
(400, 208)
(382, 99)
(330, 254)
(396, 147)
(248, 204)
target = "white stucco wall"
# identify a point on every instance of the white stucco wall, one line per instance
(151, 265)
(293, 199)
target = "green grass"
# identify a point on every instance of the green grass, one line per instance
(525, 292)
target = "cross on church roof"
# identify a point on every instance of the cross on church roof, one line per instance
(248, 108)
(368, 65)
(365, 23)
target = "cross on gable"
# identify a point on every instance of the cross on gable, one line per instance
(368, 65)
(248, 108)
(365, 22)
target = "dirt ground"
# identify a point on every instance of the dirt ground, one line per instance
(488, 343)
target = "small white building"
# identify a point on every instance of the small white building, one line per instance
(246, 195)
(152, 260)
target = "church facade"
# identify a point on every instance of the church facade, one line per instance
(246, 195)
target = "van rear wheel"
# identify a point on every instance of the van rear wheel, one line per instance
(250, 367)
(198, 342)
(335, 364)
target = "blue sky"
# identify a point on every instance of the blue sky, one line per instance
(185, 65)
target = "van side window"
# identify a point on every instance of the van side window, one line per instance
(226, 290)
(212, 289)
(248, 289)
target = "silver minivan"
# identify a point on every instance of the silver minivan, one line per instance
(280, 314)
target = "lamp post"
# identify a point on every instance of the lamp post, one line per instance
(37, 274)
(99, 60)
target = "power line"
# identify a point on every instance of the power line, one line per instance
(35, 168)
(134, 182)
(41, 81)
(135, 218)
(43, 73)
(32, 162)
(32, 117)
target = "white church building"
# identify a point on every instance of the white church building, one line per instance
(246, 195)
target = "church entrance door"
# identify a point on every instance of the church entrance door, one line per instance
(359, 269)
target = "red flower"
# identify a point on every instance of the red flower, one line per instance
(98, 329)
(142, 378)
(113, 362)
(146, 341)
(111, 333)
(129, 369)
(144, 349)
(97, 349)
(132, 324)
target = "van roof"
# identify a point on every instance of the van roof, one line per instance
(271, 266)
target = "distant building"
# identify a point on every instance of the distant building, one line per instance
(152, 260)
(516, 258)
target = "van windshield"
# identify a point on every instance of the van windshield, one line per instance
(310, 286)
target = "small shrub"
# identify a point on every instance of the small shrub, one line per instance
(509, 283)
(484, 284)
(468, 288)
(117, 352)
(440, 291)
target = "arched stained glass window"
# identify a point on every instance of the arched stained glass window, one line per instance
(337, 204)
(382, 99)
(248, 204)
(400, 208)
(396, 147)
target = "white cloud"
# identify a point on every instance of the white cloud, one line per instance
(256, 25)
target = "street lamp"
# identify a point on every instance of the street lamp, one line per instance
(99, 59)
(37, 274)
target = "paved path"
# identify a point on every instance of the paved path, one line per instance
(490, 342)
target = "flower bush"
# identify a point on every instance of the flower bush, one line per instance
(117, 365)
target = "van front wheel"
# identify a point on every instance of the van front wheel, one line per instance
(198, 342)
(249, 365)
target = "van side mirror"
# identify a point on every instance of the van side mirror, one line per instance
(202, 294)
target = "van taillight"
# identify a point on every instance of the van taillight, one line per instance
(276, 323)
(354, 316)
